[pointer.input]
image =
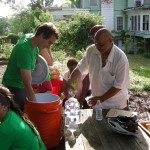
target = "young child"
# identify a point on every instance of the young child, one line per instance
(82, 81)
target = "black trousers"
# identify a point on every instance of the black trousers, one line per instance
(19, 96)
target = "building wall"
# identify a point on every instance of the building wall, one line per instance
(138, 12)
(120, 5)
(130, 3)
(107, 11)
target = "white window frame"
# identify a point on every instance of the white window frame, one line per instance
(135, 23)
(117, 22)
(144, 23)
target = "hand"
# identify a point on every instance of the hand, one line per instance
(93, 100)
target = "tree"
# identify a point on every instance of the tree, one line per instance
(26, 21)
(74, 35)
(4, 25)
(40, 4)
(22, 22)
(42, 17)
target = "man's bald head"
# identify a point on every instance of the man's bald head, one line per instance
(103, 40)
(103, 32)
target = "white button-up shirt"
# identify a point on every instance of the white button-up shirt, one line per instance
(114, 74)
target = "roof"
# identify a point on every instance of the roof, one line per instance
(140, 7)
(145, 35)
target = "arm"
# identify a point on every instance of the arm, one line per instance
(50, 54)
(121, 81)
(47, 55)
(84, 91)
(27, 79)
(64, 87)
(110, 93)
(74, 75)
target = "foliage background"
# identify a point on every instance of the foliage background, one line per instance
(73, 38)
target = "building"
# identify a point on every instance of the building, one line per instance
(132, 16)
(138, 21)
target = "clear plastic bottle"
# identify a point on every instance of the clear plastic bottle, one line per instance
(71, 92)
(66, 117)
(77, 112)
(72, 107)
(98, 109)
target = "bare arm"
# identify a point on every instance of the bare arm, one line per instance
(74, 75)
(110, 93)
(27, 79)
(47, 55)
(84, 91)
(64, 87)
(50, 54)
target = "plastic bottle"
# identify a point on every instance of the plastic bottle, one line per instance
(98, 109)
(77, 112)
(71, 92)
(66, 117)
(72, 107)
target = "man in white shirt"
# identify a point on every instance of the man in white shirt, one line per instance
(108, 70)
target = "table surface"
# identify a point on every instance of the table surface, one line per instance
(97, 135)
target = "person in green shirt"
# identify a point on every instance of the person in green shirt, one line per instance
(46, 86)
(16, 131)
(17, 77)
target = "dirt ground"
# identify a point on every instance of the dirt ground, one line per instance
(138, 101)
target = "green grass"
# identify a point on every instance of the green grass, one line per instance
(139, 72)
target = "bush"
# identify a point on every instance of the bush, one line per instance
(5, 50)
(147, 55)
(74, 35)
(13, 37)
(79, 55)
(140, 46)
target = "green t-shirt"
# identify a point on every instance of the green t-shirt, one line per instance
(23, 56)
(15, 134)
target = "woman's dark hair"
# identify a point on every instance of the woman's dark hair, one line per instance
(48, 29)
(6, 99)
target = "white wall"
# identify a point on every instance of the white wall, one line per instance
(107, 11)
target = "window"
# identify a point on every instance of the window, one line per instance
(119, 23)
(134, 21)
(139, 23)
(146, 2)
(93, 3)
(145, 22)
(138, 3)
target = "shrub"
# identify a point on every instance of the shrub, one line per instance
(147, 55)
(74, 35)
(140, 46)
(5, 50)
(128, 41)
(79, 55)
(13, 37)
